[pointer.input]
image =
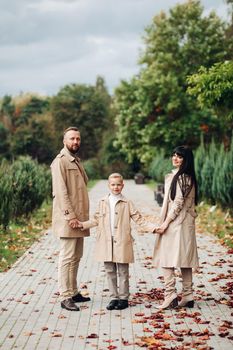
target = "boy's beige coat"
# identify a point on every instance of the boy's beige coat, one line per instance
(70, 197)
(120, 248)
(177, 247)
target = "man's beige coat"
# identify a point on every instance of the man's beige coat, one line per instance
(177, 247)
(70, 197)
(118, 248)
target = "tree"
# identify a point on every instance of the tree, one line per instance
(26, 127)
(213, 89)
(88, 108)
(35, 138)
(156, 106)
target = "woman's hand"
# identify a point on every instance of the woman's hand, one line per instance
(161, 230)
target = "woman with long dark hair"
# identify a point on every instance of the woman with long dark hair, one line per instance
(175, 245)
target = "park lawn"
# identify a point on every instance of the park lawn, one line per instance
(216, 221)
(21, 235)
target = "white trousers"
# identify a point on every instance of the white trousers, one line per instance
(71, 251)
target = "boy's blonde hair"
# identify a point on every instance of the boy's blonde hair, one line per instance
(115, 176)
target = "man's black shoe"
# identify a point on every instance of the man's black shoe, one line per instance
(122, 304)
(112, 305)
(79, 298)
(68, 304)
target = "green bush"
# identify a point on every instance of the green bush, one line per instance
(214, 170)
(6, 191)
(223, 178)
(24, 185)
(207, 172)
(30, 186)
(159, 167)
(200, 155)
(92, 168)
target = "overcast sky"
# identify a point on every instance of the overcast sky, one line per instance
(46, 44)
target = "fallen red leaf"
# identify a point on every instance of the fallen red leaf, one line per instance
(92, 336)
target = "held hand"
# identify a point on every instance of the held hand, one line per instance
(80, 224)
(74, 223)
(161, 230)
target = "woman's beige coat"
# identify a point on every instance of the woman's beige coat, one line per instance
(70, 197)
(118, 248)
(177, 247)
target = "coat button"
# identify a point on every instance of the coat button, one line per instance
(114, 241)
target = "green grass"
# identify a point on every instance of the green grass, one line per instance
(218, 222)
(23, 233)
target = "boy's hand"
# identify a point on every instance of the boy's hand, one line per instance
(80, 224)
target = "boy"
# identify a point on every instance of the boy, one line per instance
(114, 243)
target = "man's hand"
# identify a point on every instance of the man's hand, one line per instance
(73, 223)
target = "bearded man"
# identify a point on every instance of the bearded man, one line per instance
(70, 204)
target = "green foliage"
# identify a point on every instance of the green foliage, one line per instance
(222, 186)
(214, 171)
(26, 128)
(24, 185)
(34, 106)
(200, 155)
(92, 167)
(35, 139)
(30, 186)
(4, 140)
(153, 109)
(6, 191)
(88, 108)
(160, 166)
(207, 172)
(213, 88)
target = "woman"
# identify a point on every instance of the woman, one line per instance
(176, 243)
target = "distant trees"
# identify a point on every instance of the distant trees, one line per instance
(33, 125)
(88, 108)
(26, 127)
(154, 110)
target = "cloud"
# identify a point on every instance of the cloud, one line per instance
(46, 44)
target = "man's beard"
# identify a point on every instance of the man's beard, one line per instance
(71, 150)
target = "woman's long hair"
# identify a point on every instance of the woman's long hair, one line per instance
(185, 176)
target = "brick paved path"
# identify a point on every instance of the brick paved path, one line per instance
(31, 317)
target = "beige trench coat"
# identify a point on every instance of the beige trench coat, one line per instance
(118, 248)
(177, 247)
(70, 197)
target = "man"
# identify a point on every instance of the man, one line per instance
(70, 204)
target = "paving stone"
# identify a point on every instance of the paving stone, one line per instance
(31, 317)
